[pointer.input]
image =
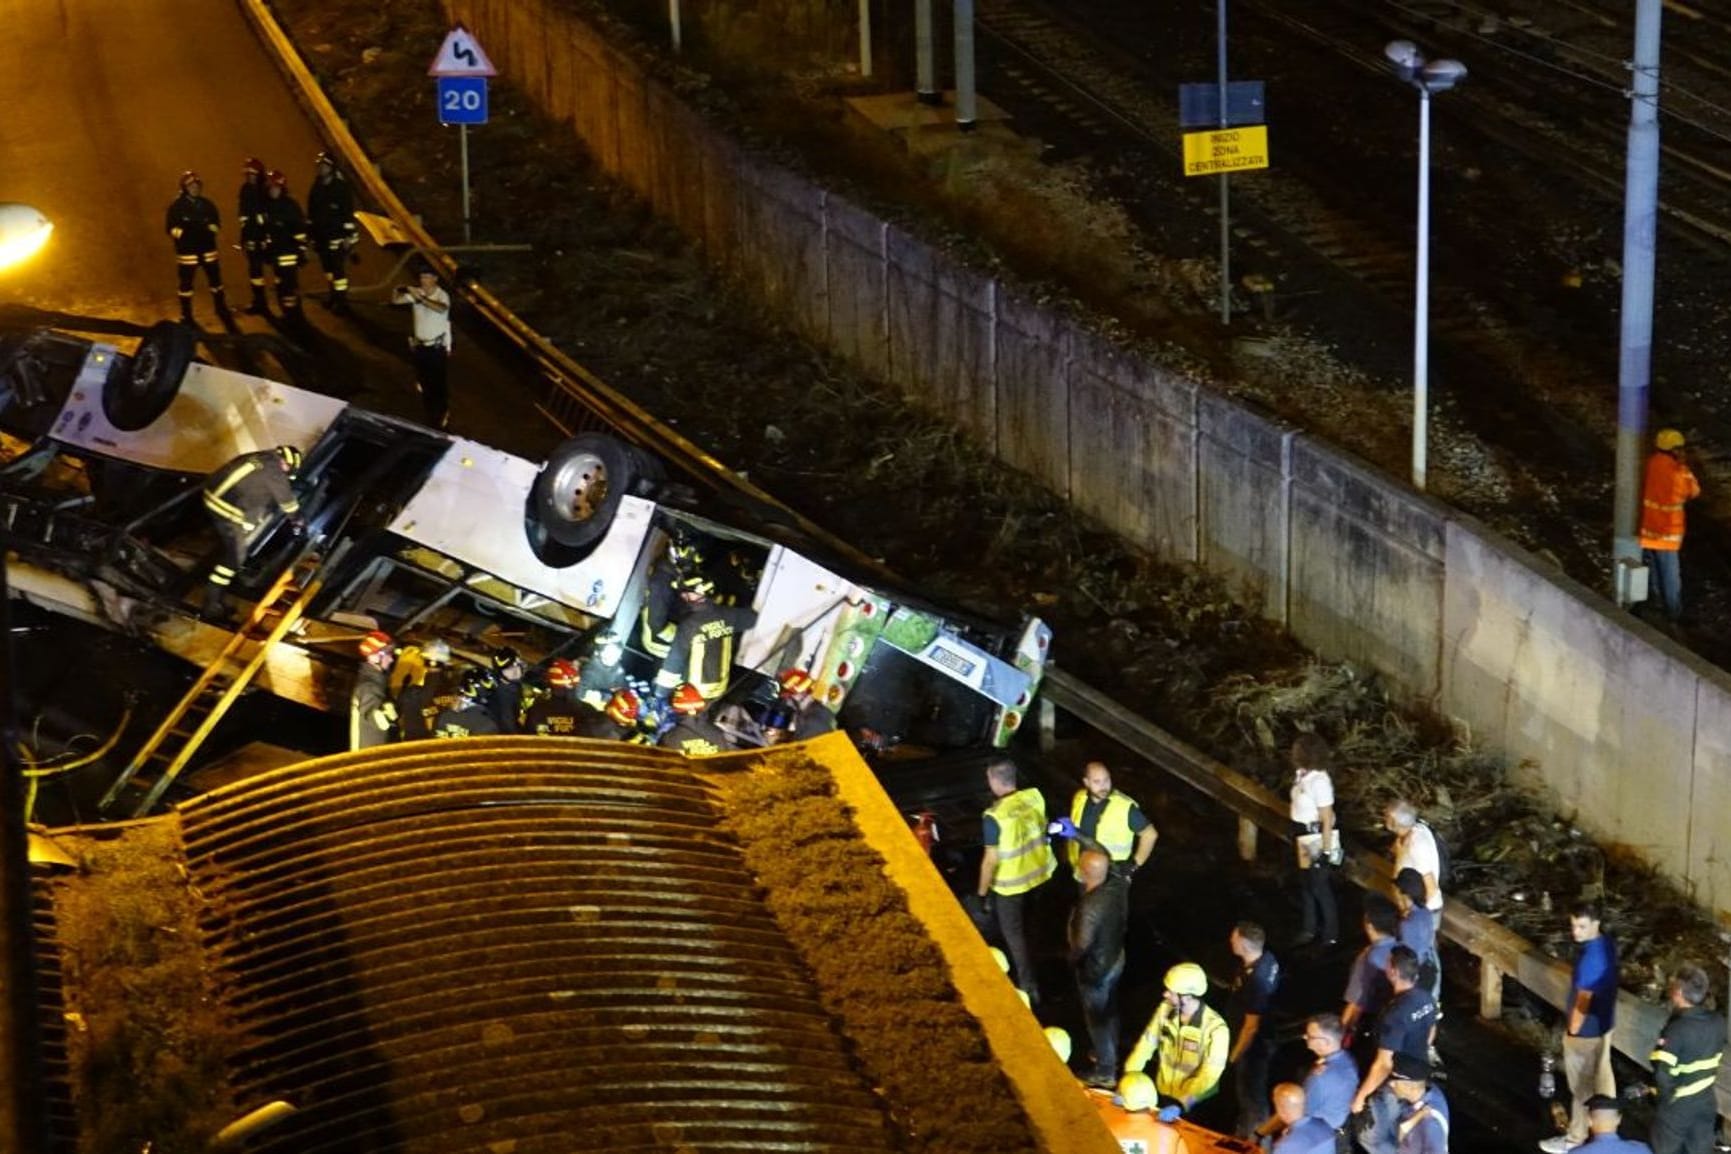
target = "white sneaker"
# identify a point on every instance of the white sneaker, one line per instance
(1561, 1144)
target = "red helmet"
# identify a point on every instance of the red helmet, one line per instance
(375, 642)
(687, 699)
(562, 674)
(622, 707)
(795, 681)
(252, 166)
(189, 177)
(275, 179)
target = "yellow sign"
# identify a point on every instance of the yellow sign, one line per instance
(1225, 150)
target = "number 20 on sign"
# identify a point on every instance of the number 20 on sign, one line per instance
(462, 100)
(1226, 150)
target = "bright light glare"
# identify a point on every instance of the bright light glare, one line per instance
(23, 231)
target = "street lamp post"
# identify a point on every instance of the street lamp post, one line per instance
(1427, 76)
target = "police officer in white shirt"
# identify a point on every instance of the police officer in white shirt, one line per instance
(1315, 838)
(430, 345)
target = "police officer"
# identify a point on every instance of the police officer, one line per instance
(193, 223)
(429, 692)
(1685, 1065)
(285, 233)
(250, 211)
(1604, 1115)
(703, 646)
(331, 221)
(469, 716)
(693, 734)
(245, 498)
(556, 714)
(372, 713)
(1185, 1039)
(1423, 1124)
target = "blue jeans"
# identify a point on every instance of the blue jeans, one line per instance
(1100, 1012)
(1667, 567)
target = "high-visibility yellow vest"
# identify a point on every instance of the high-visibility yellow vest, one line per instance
(1024, 858)
(1189, 1056)
(1112, 832)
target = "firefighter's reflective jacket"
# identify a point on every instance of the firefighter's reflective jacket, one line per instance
(1189, 1054)
(285, 229)
(253, 208)
(193, 222)
(249, 490)
(695, 737)
(331, 210)
(704, 647)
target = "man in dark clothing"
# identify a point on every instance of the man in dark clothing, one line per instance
(1422, 1126)
(1367, 987)
(285, 240)
(1253, 990)
(469, 717)
(245, 498)
(556, 713)
(193, 223)
(1685, 1065)
(1300, 1130)
(250, 210)
(372, 714)
(1405, 1028)
(1097, 927)
(693, 734)
(505, 701)
(331, 221)
(703, 646)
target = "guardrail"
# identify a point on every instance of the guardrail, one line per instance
(580, 395)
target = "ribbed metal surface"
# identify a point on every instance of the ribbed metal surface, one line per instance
(51, 996)
(514, 945)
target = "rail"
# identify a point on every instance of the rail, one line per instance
(1501, 953)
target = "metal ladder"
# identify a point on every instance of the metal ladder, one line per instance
(221, 684)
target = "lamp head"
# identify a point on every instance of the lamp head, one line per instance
(23, 230)
(1403, 54)
(1442, 75)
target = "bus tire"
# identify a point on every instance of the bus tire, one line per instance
(133, 399)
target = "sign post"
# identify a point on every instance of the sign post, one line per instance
(462, 69)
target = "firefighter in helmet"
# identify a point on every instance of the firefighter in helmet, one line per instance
(429, 689)
(703, 646)
(331, 221)
(250, 210)
(193, 223)
(557, 712)
(615, 721)
(469, 716)
(245, 499)
(811, 717)
(693, 734)
(372, 714)
(285, 232)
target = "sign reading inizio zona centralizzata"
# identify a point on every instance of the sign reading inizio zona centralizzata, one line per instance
(1226, 150)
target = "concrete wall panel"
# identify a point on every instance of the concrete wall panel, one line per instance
(631, 118)
(940, 352)
(781, 243)
(1133, 447)
(1241, 500)
(1033, 392)
(1592, 711)
(1366, 568)
(1709, 834)
(857, 292)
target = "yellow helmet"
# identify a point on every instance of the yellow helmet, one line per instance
(1060, 1039)
(1000, 957)
(1136, 1091)
(1027, 998)
(1667, 439)
(1187, 978)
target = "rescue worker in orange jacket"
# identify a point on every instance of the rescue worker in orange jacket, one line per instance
(192, 223)
(1016, 862)
(1669, 484)
(245, 498)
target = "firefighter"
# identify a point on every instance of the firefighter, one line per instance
(556, 714)
(693, 734)
(1186, 1040)
(1686, 1065)
(1669, 484)
(811, 717)
(468, 715)
(616, 721)
(331, 221)
(506, 698)
(193, 223)
(658, 620)
(430, 691)
(285, 232)
(702, 650)
(245, 498)
(372, 713)
(250, 211)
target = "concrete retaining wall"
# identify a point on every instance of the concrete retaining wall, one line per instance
(1625, 731)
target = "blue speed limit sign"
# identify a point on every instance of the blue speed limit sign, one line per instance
(462, 100)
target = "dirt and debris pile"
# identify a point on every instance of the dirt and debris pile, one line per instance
(877, 971)
(147, 1037)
